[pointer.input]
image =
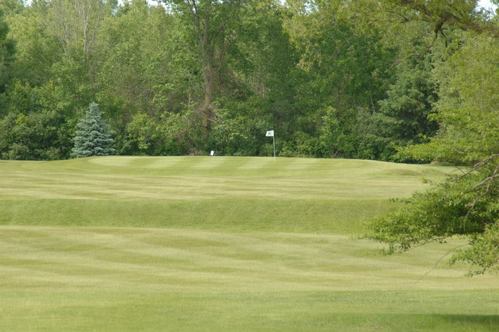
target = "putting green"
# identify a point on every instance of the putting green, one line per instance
(222, 243)
(223, 193)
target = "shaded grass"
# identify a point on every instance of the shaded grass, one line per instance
(326, 216)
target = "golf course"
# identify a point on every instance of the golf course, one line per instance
(224, 244)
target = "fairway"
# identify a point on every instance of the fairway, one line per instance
(223, 244)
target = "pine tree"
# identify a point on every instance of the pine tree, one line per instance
(92, 136)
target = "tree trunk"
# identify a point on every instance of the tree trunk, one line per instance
(209, 74)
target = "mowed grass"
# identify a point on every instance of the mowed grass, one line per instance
(223, 193)
(222, 244)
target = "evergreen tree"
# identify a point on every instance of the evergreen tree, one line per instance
(92, 136)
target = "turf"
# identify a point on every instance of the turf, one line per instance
(224, 193)
(212, 244)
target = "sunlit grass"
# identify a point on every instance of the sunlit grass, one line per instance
(212, 244)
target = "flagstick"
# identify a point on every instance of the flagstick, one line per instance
(273, 142)
(271, 133)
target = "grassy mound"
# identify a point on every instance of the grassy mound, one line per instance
(224, 193)
(222, 244)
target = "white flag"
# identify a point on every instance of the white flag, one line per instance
(270, 133)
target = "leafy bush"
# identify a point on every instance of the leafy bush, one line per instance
(32, 136)
(167, 134)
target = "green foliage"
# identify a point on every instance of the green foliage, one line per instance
(356, 75)
(467, 109)
(333, 78)
(240, 128)
(34, 136)
(36, 125)
(345, 67)
(483, 253)
(466, 73)
(7, 51)
(142, 134)
(462, 14)
(405, 113)
(354, 133)
(168, 134)
(92, 137)
(226, 71)
(462, 205)
(148, 64)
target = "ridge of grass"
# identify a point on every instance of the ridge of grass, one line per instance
(223, 244)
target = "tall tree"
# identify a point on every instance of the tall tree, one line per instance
(7, 51)
(333, 77)
(405, 115)
(468, 118)
(76, 23)
(346, 68)
(211, 23)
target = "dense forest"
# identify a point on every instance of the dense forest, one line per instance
(333, 78)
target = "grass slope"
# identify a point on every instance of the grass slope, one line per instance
(225, 193)
(236, 244)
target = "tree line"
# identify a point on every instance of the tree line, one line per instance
(354, 79)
